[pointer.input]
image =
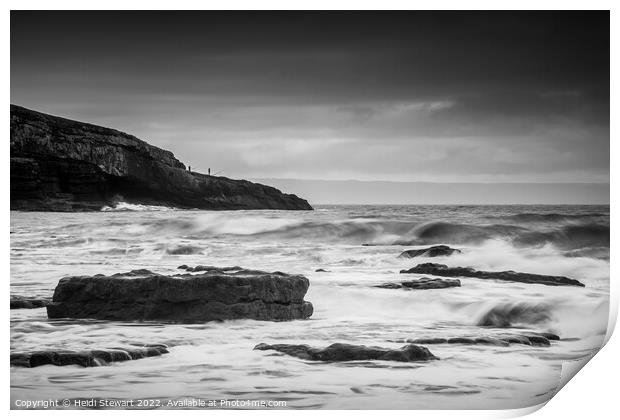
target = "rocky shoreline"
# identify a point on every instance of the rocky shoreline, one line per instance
(59, 164)
(204, 293)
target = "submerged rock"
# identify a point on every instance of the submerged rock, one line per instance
(62, 165)
(506, 314)
(547, 335)
(491, 341)
(23, 302)
(184, 250)
(321, 270)
(433, 251)
(461, 340)
(340, 352)
(389, 286)
(427, 283)
(538, 340)
(422, 284)
(502, 340)
(87, 358)
(443, 270)
(217, 294)
(517, 339)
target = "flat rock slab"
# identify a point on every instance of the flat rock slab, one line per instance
(528, 339)
(340, 352)
(24, 302)
(443, 270)
(422, 284)
(433, 251)
(216, 294)
(87, 358)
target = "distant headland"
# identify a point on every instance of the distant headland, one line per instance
(59, 164)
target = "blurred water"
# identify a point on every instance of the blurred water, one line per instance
(216, 361)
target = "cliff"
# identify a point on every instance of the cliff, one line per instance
(63, 165)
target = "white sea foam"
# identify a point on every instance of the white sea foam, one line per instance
(219, 356)
(122, 206)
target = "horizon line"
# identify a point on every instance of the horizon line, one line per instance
(434, 182)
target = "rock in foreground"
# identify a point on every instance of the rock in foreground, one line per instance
(433, 251)
(443, 270)
(422, 284)
(87, 358)
(218, 294)
(340, 352)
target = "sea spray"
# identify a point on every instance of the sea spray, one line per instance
(348, 308)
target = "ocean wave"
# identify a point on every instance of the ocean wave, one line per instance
(122, 206)
(184, 250)
(598, 252)
(568, 237)
(435, 232)
(374, 231)
(549, 217)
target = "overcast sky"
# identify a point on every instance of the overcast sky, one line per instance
(421, 96)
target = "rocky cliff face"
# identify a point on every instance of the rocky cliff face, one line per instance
(63, 165)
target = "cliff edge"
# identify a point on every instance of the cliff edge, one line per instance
(64, 165)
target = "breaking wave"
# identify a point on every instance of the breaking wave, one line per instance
(569, 237)
(122, 206)
(434, 232)
(581, 238)
(549, 217)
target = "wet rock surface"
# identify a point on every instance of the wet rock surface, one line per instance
(424, 283)
(433, 251)
(443, 270)
(502, 340)
(25, 302)
(389, 286)
(340, 352)
(216, 294)
(507, 314)
(88, 358)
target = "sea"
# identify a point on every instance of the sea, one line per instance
(359, 248)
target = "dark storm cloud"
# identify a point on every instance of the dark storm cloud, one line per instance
(392, 95)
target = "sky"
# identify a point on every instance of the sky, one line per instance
(454, 97)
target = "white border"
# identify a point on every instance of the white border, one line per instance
(593, 394)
